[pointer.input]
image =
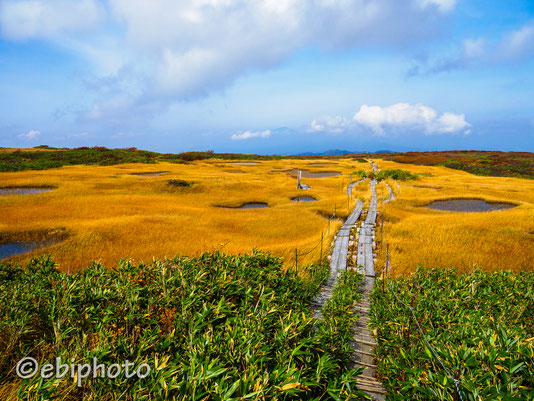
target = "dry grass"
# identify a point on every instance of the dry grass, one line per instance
(111, 214)
(493, 240)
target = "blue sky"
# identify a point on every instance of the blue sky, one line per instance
(271, 76)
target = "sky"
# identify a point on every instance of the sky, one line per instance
(268, 77)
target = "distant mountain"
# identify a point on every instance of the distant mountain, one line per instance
(332, 152)
(336, 152)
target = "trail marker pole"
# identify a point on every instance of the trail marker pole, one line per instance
(456, 378)
(321, 258)
(296, 263)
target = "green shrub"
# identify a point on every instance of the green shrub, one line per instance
(397, 174)
(480, 324)
(179, 183)
(214, 327)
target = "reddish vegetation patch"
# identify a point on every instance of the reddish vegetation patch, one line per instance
(499, 164)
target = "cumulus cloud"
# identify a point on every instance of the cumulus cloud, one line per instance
(513, 46)
(400, 117)
(249, 134)
(27, 19)
(442, 5)
(334, 125)
(189, 48)
(30, 136)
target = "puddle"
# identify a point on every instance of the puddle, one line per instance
(468, 205)
(303, 199)
(245, 163)
(249, 205)
(309, 174)
(23, 191)
(153, 174)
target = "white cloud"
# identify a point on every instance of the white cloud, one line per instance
(189, 48)
(30, 136)
(513, 46)
(27, 19)
(334, 125)
(517, 44)
(249, 134)
(400, 117)
(442, 5)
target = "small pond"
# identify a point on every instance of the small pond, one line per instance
(245, 163)
(310, 174)
(468, 205)
(153, 174)
(23, 191)
(249, 205)
(13, 248)
(303, 199)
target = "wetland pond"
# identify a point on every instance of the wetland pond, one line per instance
(468, 205)
(23, 190)
(249, 205)
(149, 174)
(13, 248)
(245, 163)
(303, 199)
(310, 174)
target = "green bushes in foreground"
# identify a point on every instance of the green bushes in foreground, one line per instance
(480, 324)
(214, 327)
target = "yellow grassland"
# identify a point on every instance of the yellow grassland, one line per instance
(499, 240)
(110, 214)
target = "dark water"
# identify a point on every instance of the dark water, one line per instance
(245, 163)
(155, 174)
(250, 205)
(468, 205)
(23, 191)
(310, 174)
(13, 248)
(304, 199)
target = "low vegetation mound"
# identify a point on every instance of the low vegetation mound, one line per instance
(497, 164)
(179, 183)
(480, 324)
(48, 158)
(397, 174)
(213, 327)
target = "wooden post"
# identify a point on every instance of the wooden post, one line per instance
(321, 257)
(456, 377)
(296, 263)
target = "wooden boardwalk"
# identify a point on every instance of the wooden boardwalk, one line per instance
(364, 338)
(338, 261)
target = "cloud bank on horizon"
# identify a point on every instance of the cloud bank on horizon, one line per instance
(397, 118)
(201, 71)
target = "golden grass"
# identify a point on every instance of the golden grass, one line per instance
(491, 240)
(111, 214)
